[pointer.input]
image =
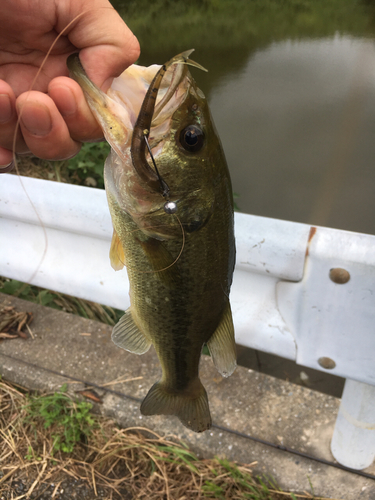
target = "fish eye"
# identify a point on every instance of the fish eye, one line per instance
(192, 138)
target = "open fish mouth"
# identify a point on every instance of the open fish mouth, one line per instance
(118, 110)
(150, 113)
(128, 172)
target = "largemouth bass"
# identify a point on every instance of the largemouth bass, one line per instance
(172, 214)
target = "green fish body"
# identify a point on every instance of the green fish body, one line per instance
(179, 264)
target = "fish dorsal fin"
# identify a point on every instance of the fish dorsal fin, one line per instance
(222, 346)
(116, 253)
(161, 261)
(128, 336)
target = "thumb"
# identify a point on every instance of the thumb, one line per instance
(107, 46)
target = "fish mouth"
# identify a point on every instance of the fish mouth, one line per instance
(135, 187)
(149, 114)
(119, 110)
(114, 119)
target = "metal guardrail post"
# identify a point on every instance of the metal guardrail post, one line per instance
(353, 441)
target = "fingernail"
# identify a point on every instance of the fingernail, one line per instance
(36, 118)
(6, 112)
(6, 168)
(66, 101)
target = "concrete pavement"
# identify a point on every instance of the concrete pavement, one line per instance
(67, 348)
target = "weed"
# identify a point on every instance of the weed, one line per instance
(229, 478)
(87, 166)
(209, 489)
(14, 287)
(71, 421)
(61, 302)
(122, 462)
(178, 455)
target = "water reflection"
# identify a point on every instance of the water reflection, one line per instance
(297, 124)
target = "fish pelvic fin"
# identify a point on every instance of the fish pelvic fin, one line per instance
(116, 253)
(222, 345)
(128, 336)
(191, 407)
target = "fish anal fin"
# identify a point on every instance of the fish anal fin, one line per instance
(116, 253)
(161, 261)
(128, 336)
(222, 345)
(191, 408)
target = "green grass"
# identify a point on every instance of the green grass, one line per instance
(89, 164)
(47, 439)
(86, 168)
(71, 422)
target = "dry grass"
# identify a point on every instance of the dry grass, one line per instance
(108, 462)
(86, 168)
(113, 463)
(56, 300)
(30, 166)
(12, 323)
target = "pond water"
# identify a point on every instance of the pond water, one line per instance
(297, 123)
(292, 93)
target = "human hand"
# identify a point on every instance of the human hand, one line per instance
(55, 117)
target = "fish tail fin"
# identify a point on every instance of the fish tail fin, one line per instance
(190, 406)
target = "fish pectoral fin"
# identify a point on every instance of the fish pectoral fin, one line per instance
(222, 345)
(161, 261)
(191, 408)
(116, 253)
(128, 336)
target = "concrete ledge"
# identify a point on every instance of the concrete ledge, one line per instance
(248, 402)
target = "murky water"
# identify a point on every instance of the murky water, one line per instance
(296, 115)
(297, 124)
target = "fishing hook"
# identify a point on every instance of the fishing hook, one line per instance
(170, 207)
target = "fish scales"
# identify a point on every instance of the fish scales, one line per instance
(180, 266)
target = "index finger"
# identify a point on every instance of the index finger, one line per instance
(107, 45)
(70, 101)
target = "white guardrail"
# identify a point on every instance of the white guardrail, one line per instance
(301, 292)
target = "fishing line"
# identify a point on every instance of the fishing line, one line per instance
(18, 126)
(170, 207)
(165, 190)
(163, 184)
(15, 158)
(214, 426)
(170, 265)
(182, 247)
